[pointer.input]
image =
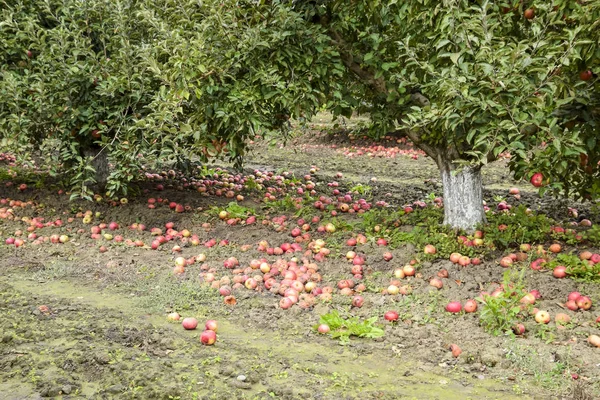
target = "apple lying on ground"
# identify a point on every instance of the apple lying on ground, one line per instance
(208, 337)
(189, 323)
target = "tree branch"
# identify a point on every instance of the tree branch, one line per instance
(350, 61)
(429, 150)
(379, 85)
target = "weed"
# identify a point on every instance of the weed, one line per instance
(287, 203)
(519, 226)
(577, 269)
(530, 362)
(363, 190)
(499, 314)
(170, 294)
(233, 209)
(344, 328)
(545, 333)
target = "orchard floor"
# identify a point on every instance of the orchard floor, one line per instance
(105, 334)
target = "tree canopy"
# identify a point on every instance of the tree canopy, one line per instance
(465, 80)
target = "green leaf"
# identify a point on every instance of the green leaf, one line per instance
(455, 56)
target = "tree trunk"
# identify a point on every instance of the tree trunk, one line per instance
(100, 163)
(463, 196)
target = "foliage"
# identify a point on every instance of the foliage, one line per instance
(167, 80)
(577, 268)
(506, 229)
(287, 203)
(344, 328)
(499, 314)
(593, 234)
(465, 80)
(234, 210)
(470, 80)
(363, 190)
(426, 229)
(426, 216)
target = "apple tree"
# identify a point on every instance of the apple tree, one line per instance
(469, 80)
(125, 82)
(466, 80)
(72, 81)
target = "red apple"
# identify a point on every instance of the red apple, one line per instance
(189, 323)
(594, 340)
(506, 262)
(537, 264)
(519, 329)
(559, 271)
(470, 306)
(529, 13)
(436, 283)
(456, 351)
(454, 257)
(562, 318)
(528, 299)
(537, 179)
(208, 337)
(172, 317)
(584, 302)
(429, 249)
(211, 325)
(464, 261)
(555, 248)
(391, 316)
(585, 75)
(571, 305)
(357, 301)
(408, 270)
(454, 307)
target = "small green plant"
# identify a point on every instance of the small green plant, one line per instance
(342, 328)
(430, 217)
(363, 190)
(499, 314)
(545, 333)
(518, 226)
(593, 234)
(233, 209)
(528, 361)
(577, 268)
(251, 184)
(285, 204)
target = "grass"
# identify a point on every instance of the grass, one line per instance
(159, 294)
(551, 376)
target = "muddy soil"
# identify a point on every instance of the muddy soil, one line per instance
(103, 333)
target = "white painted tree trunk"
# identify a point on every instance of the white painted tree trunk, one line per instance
(463, 197)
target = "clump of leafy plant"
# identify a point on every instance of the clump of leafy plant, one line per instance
(517, 226)
(362, 190)
(593, 234)
(499, 314)
(577, 268)
(343, 329)
(426, 216)
(234, 210)
(285, 204)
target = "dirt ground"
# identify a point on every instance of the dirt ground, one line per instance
(105, 335)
